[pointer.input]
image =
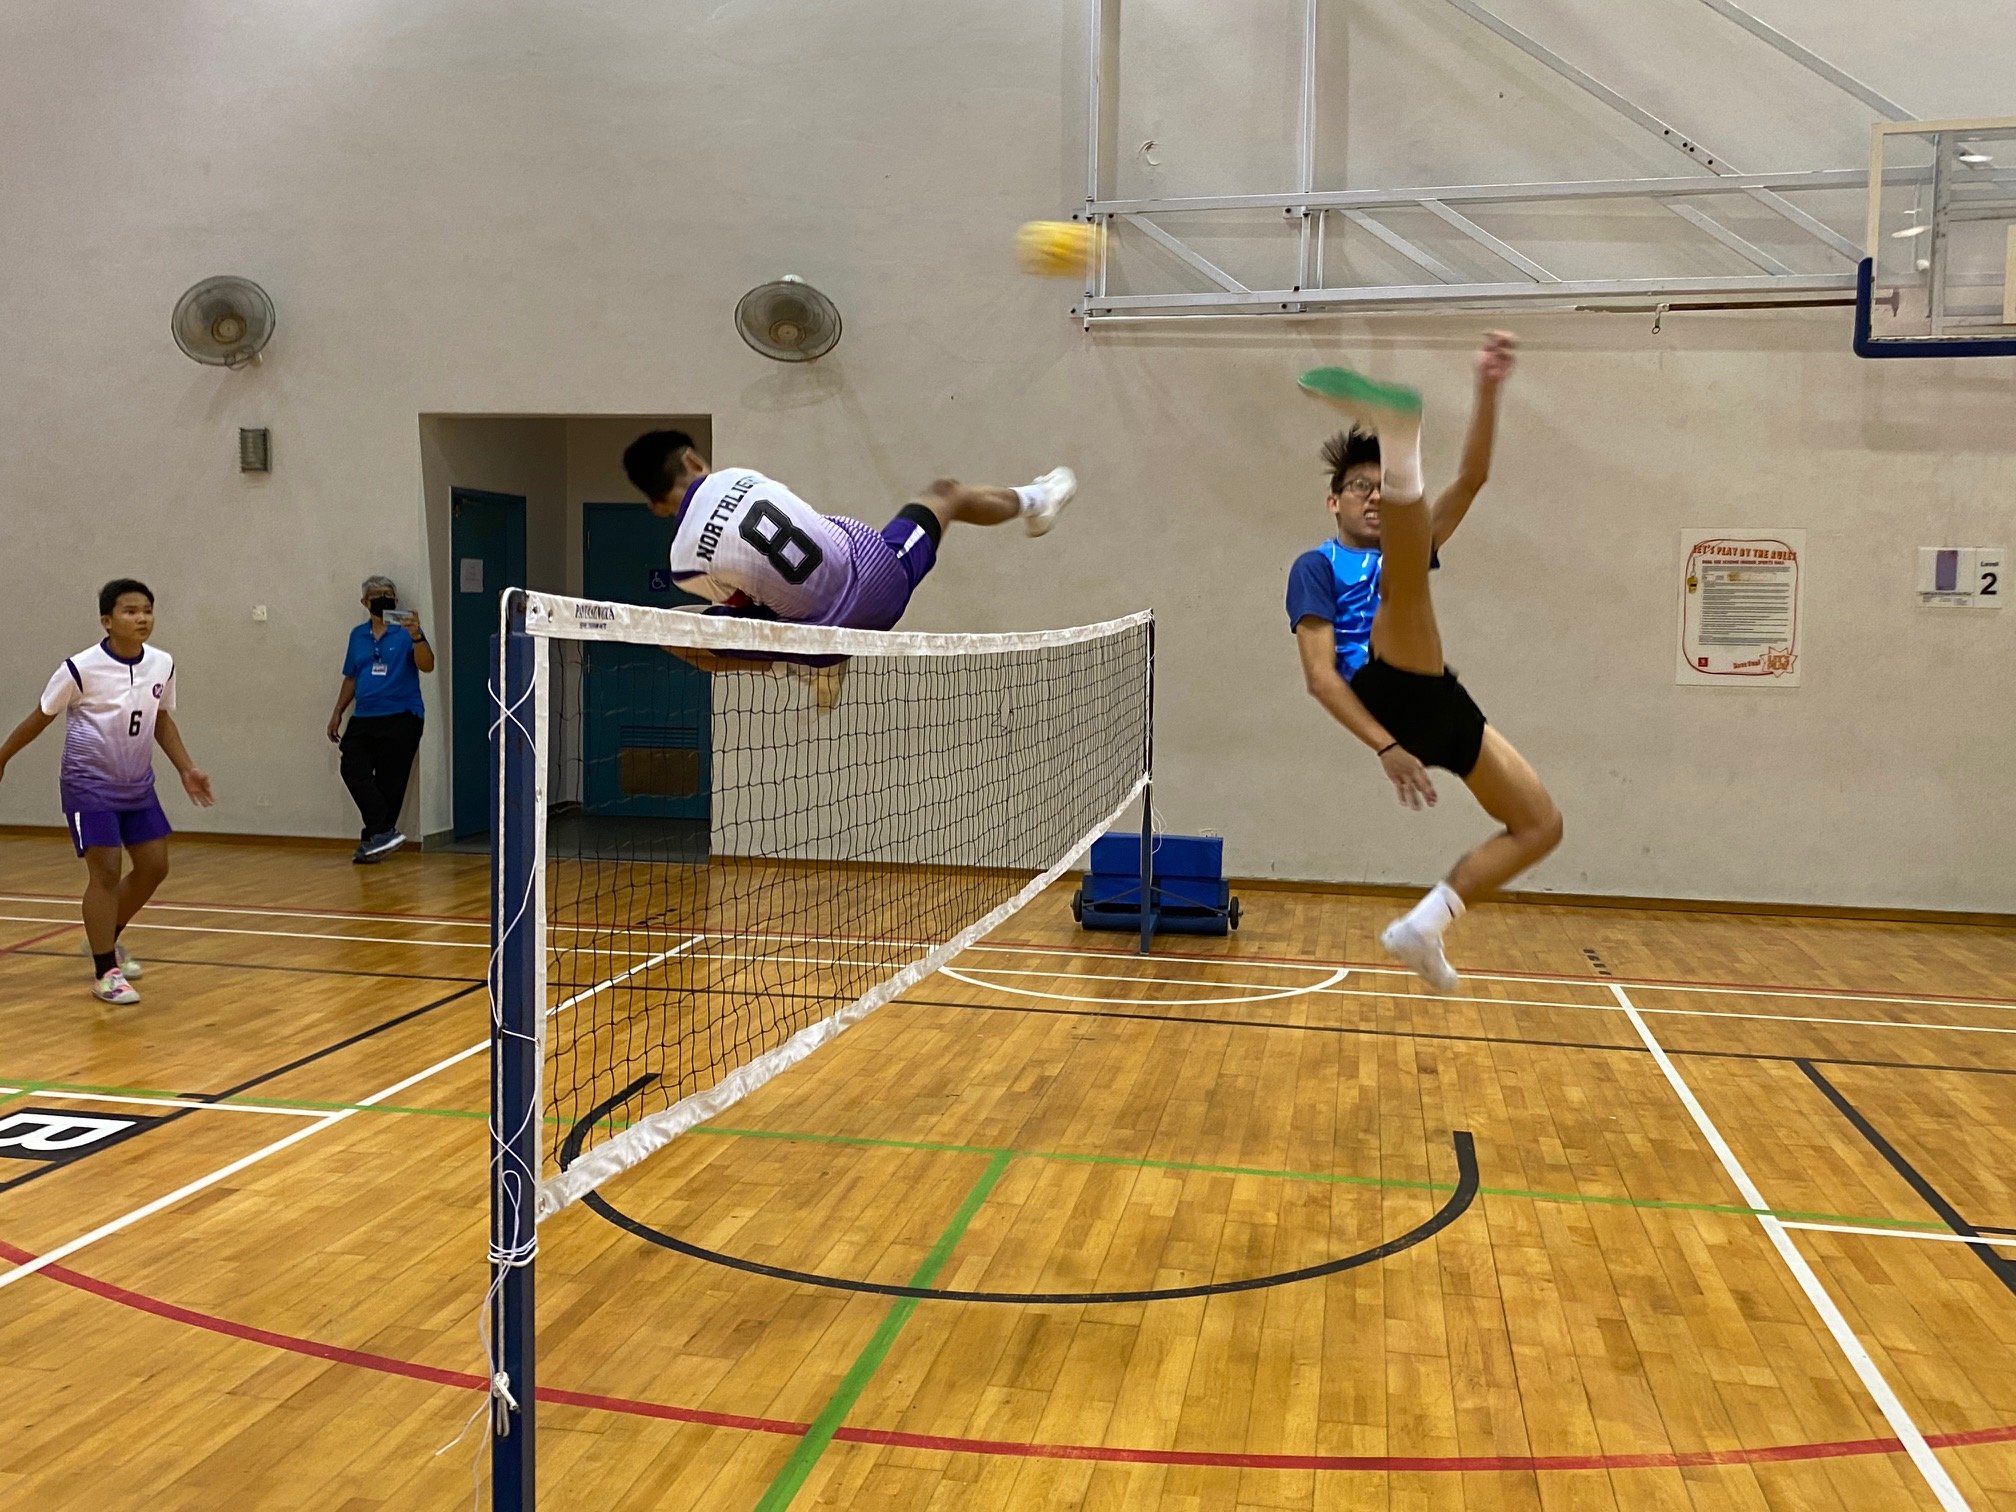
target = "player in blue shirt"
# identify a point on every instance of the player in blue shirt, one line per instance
(381, 676)
(1364, 622)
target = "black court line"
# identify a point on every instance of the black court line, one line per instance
(1468, 1039)
(2003, 1269)
(1457, 1204)
(349, 971)
(265, 1076)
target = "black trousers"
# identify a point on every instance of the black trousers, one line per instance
(377, 761)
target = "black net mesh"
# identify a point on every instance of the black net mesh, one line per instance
(733, 857)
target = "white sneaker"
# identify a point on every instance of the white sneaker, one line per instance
(131, 969)
(1058, 485)
(1421, 951)
(114, 988)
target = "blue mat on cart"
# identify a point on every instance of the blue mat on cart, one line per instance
(1187, 892)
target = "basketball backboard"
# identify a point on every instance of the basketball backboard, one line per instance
(1939, 279)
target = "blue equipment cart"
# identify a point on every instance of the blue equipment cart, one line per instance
(1187, 890)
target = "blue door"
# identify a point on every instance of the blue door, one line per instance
(649, 716)
(488, 543)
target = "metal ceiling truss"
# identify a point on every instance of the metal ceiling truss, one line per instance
(1526, 281)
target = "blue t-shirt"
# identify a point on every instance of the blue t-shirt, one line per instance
(1340, 584)
(387, 680)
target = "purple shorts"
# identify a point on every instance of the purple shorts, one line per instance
(888, 565)
(91, 829)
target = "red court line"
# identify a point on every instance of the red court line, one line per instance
(947, 1444)
(48, 934)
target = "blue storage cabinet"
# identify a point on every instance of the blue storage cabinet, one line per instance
(1188, 893)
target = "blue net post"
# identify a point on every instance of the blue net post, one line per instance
(514, 1060)
(1148, 809)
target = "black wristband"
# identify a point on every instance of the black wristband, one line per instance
(1386, 747)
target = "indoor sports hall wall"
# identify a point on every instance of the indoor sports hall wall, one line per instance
(483, 209)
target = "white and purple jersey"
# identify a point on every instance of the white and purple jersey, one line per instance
(747, 539)
(108, 745)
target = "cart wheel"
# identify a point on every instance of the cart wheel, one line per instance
(1233, 913)
(1078, 905)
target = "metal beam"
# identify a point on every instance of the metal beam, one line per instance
(1305, 157)
(1274, 300)
(1638, 115)
(1811, 61)
(1491, 243)
(1756, 256)
(1185, 255)
(1850, 179)
(1102, 100)
(1404, 247)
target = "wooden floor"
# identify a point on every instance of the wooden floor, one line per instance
(1541, 1283)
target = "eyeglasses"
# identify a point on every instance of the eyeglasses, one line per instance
(1360, 488)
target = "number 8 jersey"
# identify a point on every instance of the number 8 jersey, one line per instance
(108, 743)
(744, 538)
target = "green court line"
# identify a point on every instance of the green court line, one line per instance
(791, 1478)
(1338, 1178)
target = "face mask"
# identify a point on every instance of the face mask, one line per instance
(382, 605)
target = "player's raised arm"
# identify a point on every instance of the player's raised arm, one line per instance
(1494, 364)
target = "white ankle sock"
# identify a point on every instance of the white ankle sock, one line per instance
(1032, 496)
(1437, 911)
(1400, 464)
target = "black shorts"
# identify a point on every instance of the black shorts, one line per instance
(1433, 718)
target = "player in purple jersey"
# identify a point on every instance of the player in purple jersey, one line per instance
(752, 547)
(119, 699)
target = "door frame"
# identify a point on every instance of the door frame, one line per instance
(461, 803)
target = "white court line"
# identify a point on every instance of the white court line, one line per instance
(1336, 974)
(1267, 992)
(1267, 995)
(298, 934)
(1713, 990)
(663, 955)
(252, 911)
(176, 1102)
(2005, 1240)
(1894, 1412)
(225, 1173)
(280, 934)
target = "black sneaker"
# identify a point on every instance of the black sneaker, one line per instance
(362, 856)
(381, 845)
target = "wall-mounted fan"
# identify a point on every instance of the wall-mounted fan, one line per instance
(788, 320)
(223, 322)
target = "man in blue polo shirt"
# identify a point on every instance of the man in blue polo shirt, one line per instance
(381, 676)
(1371, 651)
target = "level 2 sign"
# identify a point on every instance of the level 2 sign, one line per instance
(1961, 577)
(52, 1136)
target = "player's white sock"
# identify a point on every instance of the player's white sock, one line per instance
(1400, 459)
(1436, 912)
